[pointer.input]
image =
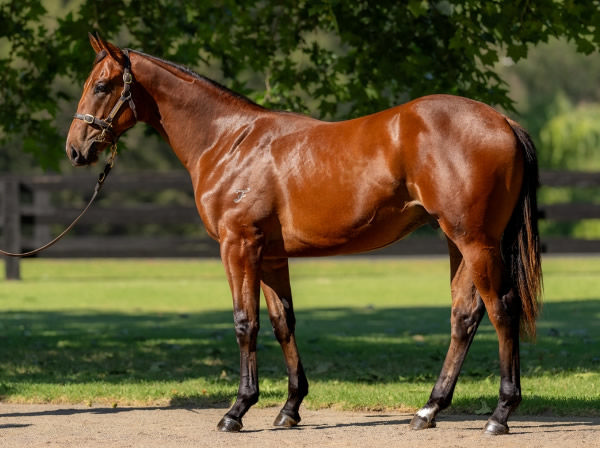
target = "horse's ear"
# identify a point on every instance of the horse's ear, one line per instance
(115, 52)
(95, 43)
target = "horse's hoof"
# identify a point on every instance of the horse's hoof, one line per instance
(420, 423)
(229, 424)
(493, 427)
(285, 420)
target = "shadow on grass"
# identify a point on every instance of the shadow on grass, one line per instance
(366, 345)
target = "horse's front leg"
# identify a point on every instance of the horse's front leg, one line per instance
(278, 295)
(241, 255)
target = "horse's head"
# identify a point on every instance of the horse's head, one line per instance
(106, 108)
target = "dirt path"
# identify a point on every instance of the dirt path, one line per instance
(79, 426)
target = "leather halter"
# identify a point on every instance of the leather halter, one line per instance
(107, 135)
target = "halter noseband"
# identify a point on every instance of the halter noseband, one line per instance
(106, 124)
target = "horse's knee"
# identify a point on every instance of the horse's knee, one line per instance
(246, 329)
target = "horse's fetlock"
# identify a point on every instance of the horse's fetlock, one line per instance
(299, 389)
(439, 402)
(510, 394)
(303, 387)
(249, 396)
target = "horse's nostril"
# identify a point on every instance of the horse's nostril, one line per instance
(74, 154)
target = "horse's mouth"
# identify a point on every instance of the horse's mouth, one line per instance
(79, 158)
(94, 150)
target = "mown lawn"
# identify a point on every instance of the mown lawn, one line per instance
(372, 334)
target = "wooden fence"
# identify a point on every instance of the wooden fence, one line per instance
(31, 210)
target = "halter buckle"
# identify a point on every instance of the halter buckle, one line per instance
(88, 118)
(127, 77)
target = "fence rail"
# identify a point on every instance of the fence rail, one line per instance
(28, 202)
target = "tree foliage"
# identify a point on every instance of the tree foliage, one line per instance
(571, 138)
(557, 96)
(552, 74)
(332, 58)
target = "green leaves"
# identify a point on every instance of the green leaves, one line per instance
(417, 7)
(333, 59)
(571, 138)
(25, 102)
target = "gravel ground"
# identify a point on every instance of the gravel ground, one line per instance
(52, 425)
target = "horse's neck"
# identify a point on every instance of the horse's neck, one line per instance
(192, 114)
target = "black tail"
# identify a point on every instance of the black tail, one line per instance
(521, 247)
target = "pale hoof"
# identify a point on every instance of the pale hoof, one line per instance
(285, 420)
(493, 427)
(420, 423)
(229, 424)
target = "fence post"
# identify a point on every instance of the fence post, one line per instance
(11, 226)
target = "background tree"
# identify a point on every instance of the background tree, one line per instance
(333, 59)
(557, 96)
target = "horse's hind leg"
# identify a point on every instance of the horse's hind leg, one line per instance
(467, 312)
(278, 295)
(484, 260)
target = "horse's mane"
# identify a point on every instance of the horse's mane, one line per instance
(196, 75)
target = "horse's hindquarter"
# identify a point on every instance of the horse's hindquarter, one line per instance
(465, 166)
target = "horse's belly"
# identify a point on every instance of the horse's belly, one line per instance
(378, 229)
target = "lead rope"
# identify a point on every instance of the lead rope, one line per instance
(110, 162)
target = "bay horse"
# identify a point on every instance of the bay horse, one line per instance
(270, 185)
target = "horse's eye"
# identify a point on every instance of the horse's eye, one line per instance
(101, 88)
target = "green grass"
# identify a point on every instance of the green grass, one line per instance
(372, 335)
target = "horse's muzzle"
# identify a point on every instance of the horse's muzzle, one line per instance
(79, 158)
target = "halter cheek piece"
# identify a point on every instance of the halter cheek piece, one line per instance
(107, 135)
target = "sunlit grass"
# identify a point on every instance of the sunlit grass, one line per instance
(372, 334)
